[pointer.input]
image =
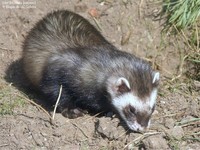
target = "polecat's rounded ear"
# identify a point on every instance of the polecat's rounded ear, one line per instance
(156, 78)
(118, 86)
(122, 85)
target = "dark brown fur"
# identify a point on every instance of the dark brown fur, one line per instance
(52, 35)
(65, 49)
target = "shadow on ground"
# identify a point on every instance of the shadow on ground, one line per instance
(16, 76)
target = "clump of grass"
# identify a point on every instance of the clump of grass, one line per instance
(8, 100)
(181, 13)
(183, 19)
(7, 107)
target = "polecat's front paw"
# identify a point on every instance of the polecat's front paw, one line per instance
(73, 113)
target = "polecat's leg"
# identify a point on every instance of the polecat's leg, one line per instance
(66, 106)
(73, 113)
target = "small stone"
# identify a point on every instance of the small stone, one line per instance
(177, 132)
(155, 142)
(197, 84)
(103, 143)
(80, 8)
(105, 130)
(94, 13)
(130, 146)
(194, 146)
(169, 123)
(187, 118)
(155, 112)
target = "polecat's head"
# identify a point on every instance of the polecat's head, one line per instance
(134, 98)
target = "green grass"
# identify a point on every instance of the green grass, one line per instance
(183, 19)
(9, 100)
(181, 13)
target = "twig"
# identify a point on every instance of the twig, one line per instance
(122, 134)
(186, 95)
(182, 61)
(97, 23)
(141, 138)
(169, 115)
(183, 123)
(3, 145)
(126, 37)
(198, 133)
(180, 68)
(197, 36)
(140, 5)
(91, 117)
(6, 49)
(190, 138)
(58, 99)
(183, 36)
(74, 124)
(32, 102)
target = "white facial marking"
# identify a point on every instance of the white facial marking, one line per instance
(129, 99)
(156, 77)
(120, 80)
(153, 97)
(149, 124)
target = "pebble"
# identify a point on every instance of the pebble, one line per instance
(177, 132)
(155, 142)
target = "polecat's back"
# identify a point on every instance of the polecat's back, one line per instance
(54, 34)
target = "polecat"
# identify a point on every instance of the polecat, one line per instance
(65, 49)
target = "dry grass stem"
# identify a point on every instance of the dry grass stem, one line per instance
(6, 49)
(74, 124)
(197, 35)
(169, 115)
(97, 23)
(91, 117)
(126, 37)
(140, 138)
(139, 9)
(32, 102)
(58, 99)
(188, 122)
(183, 36)
(122, 134)
(3, 145)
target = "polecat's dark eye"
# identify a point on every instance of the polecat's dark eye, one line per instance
(153, 108)
(132, 109)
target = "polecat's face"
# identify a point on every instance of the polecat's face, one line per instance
(135, 111)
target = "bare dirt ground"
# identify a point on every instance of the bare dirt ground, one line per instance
(130, 26)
